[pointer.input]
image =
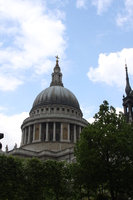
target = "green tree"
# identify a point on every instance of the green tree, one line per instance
(11, 178)
(27, 179)
(77, 181)
(105, 152)
(57, 176)
(34, 179)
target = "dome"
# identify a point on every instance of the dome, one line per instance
(56, 95)
(54, 124)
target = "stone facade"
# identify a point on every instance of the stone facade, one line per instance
(54, 123)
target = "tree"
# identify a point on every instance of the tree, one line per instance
(57, 176)
(78, 179)
(34, 179)
(105, 152)
(11, 178)
(27, 179)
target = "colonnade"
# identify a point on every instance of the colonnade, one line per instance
(50, 131)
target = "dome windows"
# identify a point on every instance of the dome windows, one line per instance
(52, 110)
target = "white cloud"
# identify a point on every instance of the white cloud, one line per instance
(44, 84)
(12, 132)
(102, 5)
(126, 15)
(119, 110)
(9, 82)
(110, 68)
(2, 108)
(40, 69)
(31, 36)
(91, 120)
(87, 112)
(81, 4)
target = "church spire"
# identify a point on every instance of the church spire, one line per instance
(127, 88)
(128, 100)
(57, 75)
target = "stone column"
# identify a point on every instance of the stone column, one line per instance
(79, 131)
(22, 140)
(61, 138)
(68, 132)
(125, 109)
(46, 131)
(74, 133)
(29, 134)
(40, 131)
(54, 128)
(33, 133)
(25, 136)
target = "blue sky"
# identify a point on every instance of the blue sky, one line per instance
(92, 39)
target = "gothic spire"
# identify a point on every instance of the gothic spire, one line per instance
(127, 88)
(57, 75)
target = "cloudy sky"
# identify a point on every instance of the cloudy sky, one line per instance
(92, 38)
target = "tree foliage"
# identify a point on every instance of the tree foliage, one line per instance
(34, 179)
(56, 180)
(11, 178)
(105, 152)
(103, 170)
(27, 179)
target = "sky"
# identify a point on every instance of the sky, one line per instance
(92, 39)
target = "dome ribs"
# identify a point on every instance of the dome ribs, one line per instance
(56, 95)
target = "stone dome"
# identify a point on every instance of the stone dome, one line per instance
(56, 95)
(54, 124)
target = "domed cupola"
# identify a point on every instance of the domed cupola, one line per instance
(54, 124)
(56, 94)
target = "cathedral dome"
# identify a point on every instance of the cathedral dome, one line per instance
(56, 94)
(54, 124)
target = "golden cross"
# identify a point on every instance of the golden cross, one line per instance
(57, 58)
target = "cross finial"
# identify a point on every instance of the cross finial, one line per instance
(125, 63)
(57, 58)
